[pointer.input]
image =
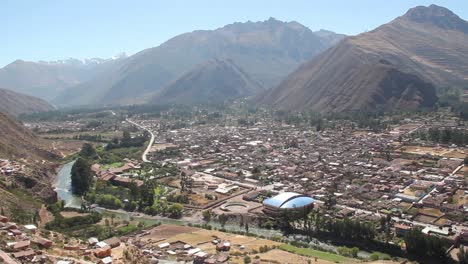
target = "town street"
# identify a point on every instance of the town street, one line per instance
(145, 153)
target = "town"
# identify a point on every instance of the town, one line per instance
(252, 185)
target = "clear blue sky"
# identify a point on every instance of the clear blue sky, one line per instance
(48, 30)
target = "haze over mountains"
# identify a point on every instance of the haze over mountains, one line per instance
(398, 65)
(267, 51)
(46, 79)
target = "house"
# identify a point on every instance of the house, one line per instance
(126, 182)
(31, 228)
(4, 258)
(93, 241)
(226, 246)
(101, 244)
(106, 260)
(113, 242)
(24, 255)
(164, 245)
(107, 176)
(401, 229)
(3, 219)
(103, 252)
(200, 257)
(438, 231)
(21, 245)
(16, 232)
(45, 243)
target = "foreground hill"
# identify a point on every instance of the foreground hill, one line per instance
(215, 81)
(397, 65)
(20, 145)
(16, 103)
(47, 79)
(267, 51)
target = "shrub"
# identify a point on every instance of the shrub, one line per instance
(374, 257)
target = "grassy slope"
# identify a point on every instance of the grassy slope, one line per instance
(308, 252)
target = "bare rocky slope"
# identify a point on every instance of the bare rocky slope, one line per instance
(16, 103)
(397, 65)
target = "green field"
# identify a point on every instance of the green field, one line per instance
(113, 165)
(308, 252)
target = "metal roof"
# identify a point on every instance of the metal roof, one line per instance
(297, 202)
(288, 200)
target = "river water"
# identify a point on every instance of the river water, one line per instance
(63, 186)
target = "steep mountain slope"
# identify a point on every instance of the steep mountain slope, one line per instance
(400, 61)
(18, 142)
(267, 51)
(214, 81)
(47, 79)
(16, 103)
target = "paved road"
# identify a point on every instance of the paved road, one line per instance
(145, 153)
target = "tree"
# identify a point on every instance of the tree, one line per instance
(88, 151)
(175, 210)
(186, 182)
(247, 260)
(421, 245)
(81, 176)
(223, 219)
(462, 255)
(207, 215)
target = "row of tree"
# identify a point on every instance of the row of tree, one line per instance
(353, 231)
(315, 223)
(444, 135)
(88, 137)
(425, 246)
(81, 174)
(127, 141)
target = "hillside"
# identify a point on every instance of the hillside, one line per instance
(16, 103)
(402, 61)
(19, 144)
(215, 81)
(267, 51)
(46, 80)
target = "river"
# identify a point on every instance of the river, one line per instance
(63, 186)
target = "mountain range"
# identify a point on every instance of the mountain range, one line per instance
(400, 64)
(46, 79)
(267, 51)
(397, 65)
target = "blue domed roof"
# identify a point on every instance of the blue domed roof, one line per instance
(288, 200)
(297, 202)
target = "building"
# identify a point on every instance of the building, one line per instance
(287, 201)
(401, 229)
